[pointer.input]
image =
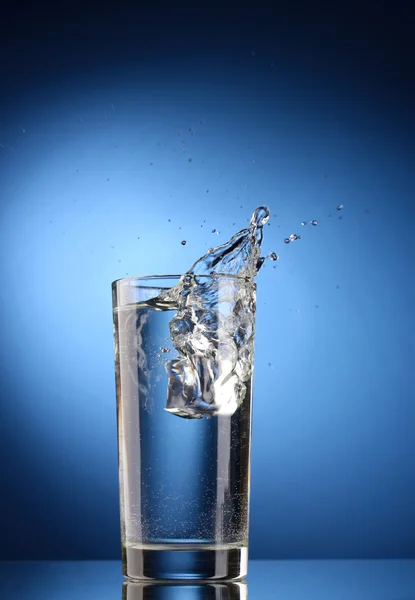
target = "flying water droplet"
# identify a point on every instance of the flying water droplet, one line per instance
(184, 242)
(314, 222)
(260, 216)
(286, 240)
(303, 223)
(340, 207)
(273, 256)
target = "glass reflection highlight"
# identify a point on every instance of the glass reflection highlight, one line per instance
(184, 591)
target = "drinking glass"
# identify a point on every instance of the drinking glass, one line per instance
(184, 482)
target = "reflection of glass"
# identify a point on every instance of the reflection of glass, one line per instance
(184, 482)
(188, 591)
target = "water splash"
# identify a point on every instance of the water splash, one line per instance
(213, 329)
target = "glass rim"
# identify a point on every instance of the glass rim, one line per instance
(177, 276)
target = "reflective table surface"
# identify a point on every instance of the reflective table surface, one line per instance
(285, 580)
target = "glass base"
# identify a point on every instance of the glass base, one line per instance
(184, 563)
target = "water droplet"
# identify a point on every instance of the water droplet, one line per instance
(273, 256)
(317, 306)
(190, 159)
(298, 237)
(112, 246)
(213, 230)
(293, 237)
(164, 350)
(207, 191)
(303, 223)
(337, 287)
(286, 240)
(260, 216)
(340, 207)
(314, 222)
(183, 242)
(119, 260)
(269, 364)
(341, 217)
(108, 178)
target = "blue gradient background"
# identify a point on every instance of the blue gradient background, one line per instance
(100, 115)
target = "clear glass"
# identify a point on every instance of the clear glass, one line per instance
(184, 483)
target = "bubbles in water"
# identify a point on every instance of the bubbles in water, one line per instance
(286, 240)
(213, 230)
(340, 207)
(183, 242)
(273, 256)
(314, 222)
(293, 237)
(303, 223)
